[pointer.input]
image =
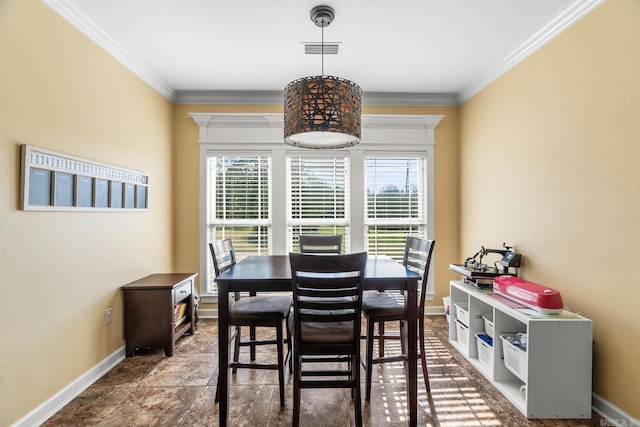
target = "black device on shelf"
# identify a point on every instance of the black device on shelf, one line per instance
(480, 274)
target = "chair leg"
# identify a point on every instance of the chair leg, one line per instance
(423, 356)
(297, 377)
(279, 346)
(217, 398)
(403, 345)
(357, 402)
(236, 347)
(289, 346)
(370, 326)
(252, 340)
(381, 339)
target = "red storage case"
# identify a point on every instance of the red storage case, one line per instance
(538, 297)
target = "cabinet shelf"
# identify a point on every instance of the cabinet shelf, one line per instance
(511, 390)
(552, 377)
(181, 329)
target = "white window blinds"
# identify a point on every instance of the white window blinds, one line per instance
(318, 197)
(239, 197)
(396, 203)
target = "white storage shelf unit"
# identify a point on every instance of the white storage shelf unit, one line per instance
(553, 376)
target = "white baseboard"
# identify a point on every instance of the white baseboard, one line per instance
(208, 313)
(43, 412)
(434, 310)
(610, 412)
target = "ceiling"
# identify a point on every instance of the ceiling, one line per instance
(411, 52)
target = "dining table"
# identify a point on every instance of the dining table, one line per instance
(272, 273)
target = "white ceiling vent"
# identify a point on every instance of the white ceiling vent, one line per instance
(316, 48)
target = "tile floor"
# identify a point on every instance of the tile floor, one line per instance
(153, 390)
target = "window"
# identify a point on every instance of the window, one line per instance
(395, 199)
(263, 194)
(317, 198)
(238, 195)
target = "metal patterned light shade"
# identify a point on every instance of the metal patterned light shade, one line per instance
(322, 111)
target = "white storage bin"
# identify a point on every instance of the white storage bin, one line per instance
(515, 359)
(462, 312)
(488, 324)
(485, 351)
(463, 334)
(446, 301)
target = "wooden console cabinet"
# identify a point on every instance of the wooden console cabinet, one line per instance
(149, 319)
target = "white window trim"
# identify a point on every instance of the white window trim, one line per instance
(251, 132)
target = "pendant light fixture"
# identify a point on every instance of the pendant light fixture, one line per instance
(322, 111)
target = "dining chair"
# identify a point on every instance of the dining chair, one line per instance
(325, 324)
(320, 244)
(381, 307)
(253, 311)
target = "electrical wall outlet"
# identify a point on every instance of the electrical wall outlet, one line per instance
(107, 316)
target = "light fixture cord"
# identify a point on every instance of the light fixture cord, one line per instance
(322, 48)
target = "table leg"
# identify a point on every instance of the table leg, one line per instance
(223, 352)
(412, 353)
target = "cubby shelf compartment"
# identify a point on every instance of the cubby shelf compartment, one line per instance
(554, 373)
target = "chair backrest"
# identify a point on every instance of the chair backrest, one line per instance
(327, 289)
(316, 244)
(417, 257)
(224, 257)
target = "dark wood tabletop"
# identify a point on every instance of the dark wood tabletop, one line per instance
(273, 274)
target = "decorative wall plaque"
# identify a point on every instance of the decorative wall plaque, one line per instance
(56, 181)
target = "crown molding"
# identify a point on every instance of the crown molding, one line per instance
(86, 26)
(418, 99)
(275, 97)
(265, 97)
(571, 14)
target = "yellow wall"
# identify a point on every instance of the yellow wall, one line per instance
(59, 271)
(187, 180)
(550, 162)
(446, 184)
(545, 158)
